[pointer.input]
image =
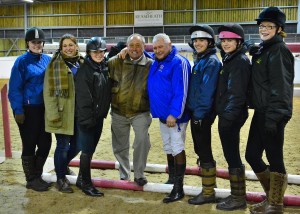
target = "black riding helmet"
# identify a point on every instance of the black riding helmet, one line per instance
(272, 14)
(34, 34)
(95, 44)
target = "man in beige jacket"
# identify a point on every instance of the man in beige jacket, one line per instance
(130, 107)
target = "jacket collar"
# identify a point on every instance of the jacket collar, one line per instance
(95, 65)
(170, 56)
(33, 56)
(275, 39)
(257, 50)
(142, 60)
(208, 51)
(228, 57)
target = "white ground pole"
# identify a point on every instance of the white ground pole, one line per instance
(151, 187)
(289, 200)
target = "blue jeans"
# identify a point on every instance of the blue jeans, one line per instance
(65, 151)
(88, 138)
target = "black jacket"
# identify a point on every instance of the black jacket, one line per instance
(231, 96)
(272, 80)
(93, 92)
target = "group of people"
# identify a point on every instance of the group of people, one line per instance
(70, 96)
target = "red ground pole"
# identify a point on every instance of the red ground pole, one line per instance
(5, 118)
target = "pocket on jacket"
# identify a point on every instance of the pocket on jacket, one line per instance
(59, 123)
(56, 124)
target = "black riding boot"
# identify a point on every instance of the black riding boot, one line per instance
(39, 165)
(28, 163)
(171, 169)
(85, 168)
(177, 192)
(79, 180)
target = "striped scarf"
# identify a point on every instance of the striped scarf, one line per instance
(58, 75)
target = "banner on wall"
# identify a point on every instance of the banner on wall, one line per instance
(148, 18)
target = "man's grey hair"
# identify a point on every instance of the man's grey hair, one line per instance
(163, 36)
(136, 35)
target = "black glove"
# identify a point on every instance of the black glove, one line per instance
(224, 123)
(19, 118)
(255, 50)
(247, 45)
(271, 127)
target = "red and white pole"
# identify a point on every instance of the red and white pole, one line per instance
(289, 200)
(6, 125)
(190, 170)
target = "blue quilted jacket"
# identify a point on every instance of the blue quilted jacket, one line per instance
(27, 80)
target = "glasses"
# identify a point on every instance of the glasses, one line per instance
(268, 27)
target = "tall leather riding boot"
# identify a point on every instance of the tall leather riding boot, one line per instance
(87, 186)
(39, 165)
(34, 183)
(177, 191)
(278, 184)
(264, 178)
(171, 169)
(208, 174)
(79, 180)
(237, 199)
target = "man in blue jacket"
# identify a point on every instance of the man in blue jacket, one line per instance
(167, 87)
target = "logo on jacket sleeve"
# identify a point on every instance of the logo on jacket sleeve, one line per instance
(258, 61)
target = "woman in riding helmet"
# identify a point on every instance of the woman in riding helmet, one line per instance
(231, 107)
(201, 95)
(93, 96)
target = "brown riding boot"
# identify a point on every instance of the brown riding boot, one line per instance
(237, 199)
(208, 174)
(264, 178)
(278, 184)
